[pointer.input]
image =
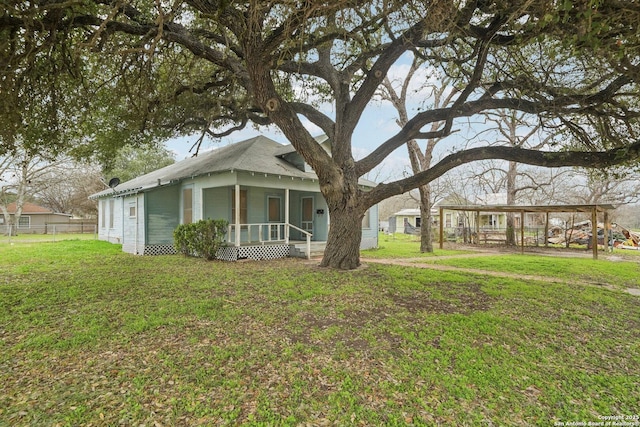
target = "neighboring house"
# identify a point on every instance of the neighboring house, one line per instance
(405, 221)
(409, 220)
(34, 219)
(498, 220)
(493, 220)
(265, 190)
(454, 221)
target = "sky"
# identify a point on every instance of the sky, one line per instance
(377, 124)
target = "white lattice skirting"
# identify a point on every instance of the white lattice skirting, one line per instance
(230, 253)
(233, 253)
(159, 250)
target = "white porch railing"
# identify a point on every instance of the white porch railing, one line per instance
(304, 232)
(271, 232)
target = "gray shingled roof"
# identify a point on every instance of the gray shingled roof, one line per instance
(257, 154)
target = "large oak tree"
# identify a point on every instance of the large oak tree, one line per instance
(214, 66)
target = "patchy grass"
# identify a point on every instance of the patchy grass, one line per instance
(615, 273)
(405, 246)
(89, 335)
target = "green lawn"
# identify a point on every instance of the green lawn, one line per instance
(90, 335)
(623, 272)
(38, 237)
(405, 246)
(617, 273)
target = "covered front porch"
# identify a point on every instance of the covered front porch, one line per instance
(266, 215)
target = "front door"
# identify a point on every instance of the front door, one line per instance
(307, 214)
(274, 216)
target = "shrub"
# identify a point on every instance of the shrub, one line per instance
(200, 239)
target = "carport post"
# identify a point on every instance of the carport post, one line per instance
(522, 232)
(594, 232)
(605, 236)
(441, 228)
(546, 230)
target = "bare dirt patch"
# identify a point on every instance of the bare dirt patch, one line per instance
(361, 327)
(458, 301)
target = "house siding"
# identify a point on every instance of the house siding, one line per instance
(216, 203)
(133, 230)
(370, 235)
(162, 215)
(320, 221)
(105, 232)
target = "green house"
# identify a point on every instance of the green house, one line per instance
(268, 194)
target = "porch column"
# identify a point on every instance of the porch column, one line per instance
(286, 216)
(237, 216)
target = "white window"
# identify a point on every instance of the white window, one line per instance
(24, 221)
(366, 221)
(112, 208)
(103, 212)
(187, 205)
(448, 220)
(132, 211)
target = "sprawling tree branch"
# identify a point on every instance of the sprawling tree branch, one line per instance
(548, 159)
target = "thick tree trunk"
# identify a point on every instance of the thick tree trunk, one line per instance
(343, 245)
(511, 229)
(426, 236)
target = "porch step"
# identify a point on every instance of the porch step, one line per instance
(299, 250)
